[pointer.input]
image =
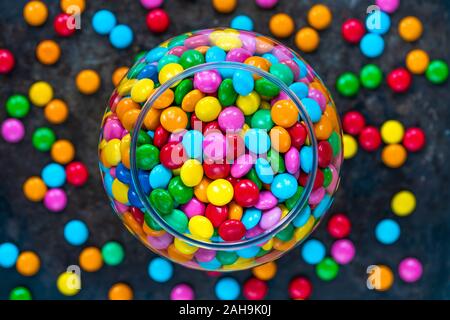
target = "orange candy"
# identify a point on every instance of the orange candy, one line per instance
(56, 111)
(91, 259)
(307, 39)
(177, 255)
(35, 13)
(224, 6)
(88, 81)
(118, 75)
(48, 52)
(164, 100)
(132, 224)
(200, 190)
(284, 113)
(263, 45)
(381, 278)
(258, 62)
(394, 155)
(28, 263)
(281, 25)
(120, 291)
(151, 120)
(34, 189)
(280, 139)
(129, 118)
(265, 271)
(323, 128)
(66, 6)
(174, 118)
(235, 211)
(202, 49)
(62, 151)
(125, 105)
(191, 99)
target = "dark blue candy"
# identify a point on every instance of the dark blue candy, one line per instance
(123, 174)
(150, 71)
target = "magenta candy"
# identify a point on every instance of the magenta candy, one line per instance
(112, 172)
(334, 179)
(248, 42)
(389, 6)
(13, 130)
(238, 55)
(151, 4)
(161, 242)
(253, 232)
(231, 118)
(266, 4)
(266, 201)
(316, 196)
(182, 292)
(55, 199)
(194, 208)
(204, 255)
(292, 160)
(207, 81)
(242, 166)
(318, 97)
(214, 146)
(343, 251)
(120, 207)
(196, 41)
(177, 136)
(177, 51)
(112, 130)
(410, 269)
(270, 218)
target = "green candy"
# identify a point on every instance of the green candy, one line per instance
(276, 161)
(143, 138)
(282, 72)
(437, 72)
(138, 56)
(327, 269)
(177, 220)
(149, 221)
(226, 94)
(161, 200)
(112, 253)
(135, 70)
(335, 142)
(251, 175)
(262, 119)
(347, 84)
(43, 139)
(20, 293)
(371, 76)
(286, 234)
(165, 60)
(227, 257)
(177, 41)
(191, 58)
(292, 201)
(147, 156)
(17, 106)
(266, 88)
(179, 191)
(183, 89)
(327, 177)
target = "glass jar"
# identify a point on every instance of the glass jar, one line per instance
(221, 149)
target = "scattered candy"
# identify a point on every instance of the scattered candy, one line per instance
(327, 269)
(121, 36)
(371, 76)
(76, 232)
(281, 25)
(40, 93)
(265, 271)
(13, 130)
(347, 84)
(160, 270)
(399, 80)
(182, 291)
(103, 22)
(242, 22)
(71, 6)
(353, 122)
(319, 16)
(34, 189)
(53, 175)
(350, 146)
(343, 251)
(120, 291)
(90, 259)
(392, 131)
(339, 226)
(227, 288)
(266, 4)
(380, 277)
(410, 29)
(112, 253)
(313, 251)
(35, 13)
(307, 39)
(414, 139)
(62, 151)
(224, 6)
(372, 45)
(378, 22)
(56, 111)
(417, 61)
(88, 81)
(403, 203)
(152, 4)
(158, 20)
(48, 52)
(20, 293)
(68, 283)
(8, 254)
(300, 288)
(76, 173)
(437, 72)
(394, 155)
(254, 289)
(17, 106)
(410, 270)
(352, 30)
(55, 200)
(62, 25)
(387, 231)
(7, 61)
(28, 263)
(370, 138)
(389, 6)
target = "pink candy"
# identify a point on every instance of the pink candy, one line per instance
(242, 166)
(113, 129)
(410, 270)
(207, 81)
(318, 97)
(182, 292)
(177, 51)
(231, 118)
(205, 255)
(238, 55)
(388, 6)
(270, 218)
(13, 130)
(266, 4)
(343, 251)
(292, 160)
(194, 208)
(151, 4)
(214, 146)
(316, 196)
(55, 200)
(266, 201)
(161, 242)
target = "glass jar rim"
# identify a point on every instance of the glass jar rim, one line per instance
(267, 234)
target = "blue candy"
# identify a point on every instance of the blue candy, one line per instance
(313, 109)
(264, 170)
(300, 89)
(8, 254)
(160, 270)
(54, 175)
(372, 45)
(170, 58)
(211, 265)
(215, 54)
(378, 22)
(251, 218)
(323, 206)
(155, 54)
(306, 158)
(302, 66)
(227, 289)
(121, 36)
(160, 177)
(243, 82)
(248, 253)
(150, 71)
(387, 231)
(103, 21)
(76, 232)
(133, 198)
(313, 251)
(257, 141)
(303, 217)
(284, 186)
(242, 22)
(123, 174)
(144, 180)
(192, 143)
(108, 181)
(272, 59)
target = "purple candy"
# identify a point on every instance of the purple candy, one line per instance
(162, 242)
(266, 201)
(292, 160)
(55, 200)
(253, 232)
(270, 218)
(205, 255)
(316, 196)
(231, 119)
(207, 81)
(177, 51)
(196, 41)
(282, 53)
(238, 55)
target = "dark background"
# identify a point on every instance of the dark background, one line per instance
(367, 185)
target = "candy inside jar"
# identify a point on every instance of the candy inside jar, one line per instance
(221, 149)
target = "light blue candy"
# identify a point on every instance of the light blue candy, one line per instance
(242, 22)
(150, 71)
(211, 265)
(272, 59)
(264, 170)
(302, 67)
(169, 58)
(378, 22)
(302, 217)
(160, 270)
(108, 181)
(160, 177)
(313, 251)
(155, 54)
(215, 54)
(313, 109)
(323, 206)
(387, 231)
(76, 232)
(243, 82)
(306, 158)
(121, 36)
(257, 141)
(284, 186)
(192, 143)
(300, 89)
(8, 254)
(251, 218)
(372, 45)
(248, 253)
(227, 289)
(54, 175)
(103, 21)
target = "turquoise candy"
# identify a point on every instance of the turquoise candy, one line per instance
(262, 119)
(306, 158)
(264, 170)
(177, 41)
(251, 218)
(257, 141)
(226, 94)
(282, 72)
(170, 58)
(147, 156)
(183, 89)
(284, 186)
(177, 220)
(161, 200)
(226, 257)
(243, 82)
(159, 177)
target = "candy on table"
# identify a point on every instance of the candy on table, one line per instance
(118, 75)
(414, 139)
(378, 22)
(160, 270)
(68, 283)
(281, 25)
(319, 16)
(410, 28)
(28, 263)
(8, 254)
(40, 93)
(352, 30)
(242, 22)
(35, 13)
(151, 4)
(266, 4)
(300, 288)
(103, 21)
(227, 288)
(387, 231)
(339, 226)
(410, 269)
(53, 175)
(327, 269)
(371, 76)
(417, 61)
(34, 189)
(76, 232)
(403, 203)
(399, 80)
(7, 61)
(353, 122)
(182, 291)
(370, 138)
(224, 6)
(76, 173)
(265, 271)
(72, 6)
(372, 45)
(394, 155)
(55, 199)
(56, 111)
(392, 131)
(307, 39)
(20, 293)
(12, 130)
(437, 72)
(63, 26)
(347, 84)
(62, 151)
(48, 52)
(88, 81)
(121, 36)
(313, 251)
(380, 277)
(113, 253)
(120, 291)
(157, 20)
(350, 146)
(389, 6)
(90, 259)
(343, 251)
(254, 289)
(17, 106)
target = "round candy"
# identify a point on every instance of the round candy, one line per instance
(54, 175)
(353, 122)
(48, 52)
(224, 6)
(118, 75)
(227, 288)
(254, 289)
(347, 84)
(257, 141)
(56, 111)
(403, 203)
(319, 16)
(28, 263)
(201, 227)
(378, 22)
(307, 39)
(63, 25)
(88, 81)
(350, 146)
(417, 61)
(389, 6)
(68, 283)
(352, 30)
(112, 253)
(327, 269)
(394, 155)
(34, 189)
(182, 291)
(399, 80)
(437, 72)
(62, 151)
(339, 226)
(103, 21)
(40, 93)
(20, 293)
(265, 271)
(380, 277)
(160, 270)
(191, 173)
(17, 106)
(220, 192)
(371, 76)
(343, 251)
(157, 20)
(13, 130)
(76, 173)
(120, 291)
(392, 131)
(410, 270)
(284, 186)
(55, 200)
(232, 230)
(90, 259)
(242, 22)
(372, 45)
(300, 288)
(313, 251)
(284, 113)
(121, 36)
(76, 232)
(266, 4)
(7, 61)
(370, 138)
(410, 28)
(414, 139)
(67, 6)
(387, 231)
(281, 25)
(8, 254)
(35, 13)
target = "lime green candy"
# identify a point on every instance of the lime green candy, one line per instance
(282, 72)
(276, 161)
(147, 156)
(161, 200)
(20, 293)
(227, 257)
(292, 201)
(262, 119)
(286, 234)
(149, 221)
(371, 76)
(266, 88)
(327, 177)
(177, 220)
(437, 72)
(143, 138)
(335, 142)
(179, 191)
(17, 106)
(113, 253)
(251, 175)
(191, 58)
(327, 269)
(183, 89)
(226, 94)
(347, 84)
(43, 139)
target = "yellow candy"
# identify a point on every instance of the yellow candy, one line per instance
(191, 172)
(142, 90)
(249, 104)
(403, 203)
(207, 109)
(417, 61)
(125, 86)
(268, 245)
(226, 39)
(184, 247)
(68, 283)
(169, 71)
(392, 131)
(201, 227)
(350, 146)
(120, 191)
(112, 152)
(265, 105)
(220, 192)
(303, 231)
(40, 93)
(284, 210)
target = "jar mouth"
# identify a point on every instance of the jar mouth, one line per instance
(267, 234)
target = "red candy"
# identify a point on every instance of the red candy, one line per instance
(137, 215)
(414, 139)
(157, 20)
(76, 173)
(7, 61)
(172, 155)
(339, 226)
(212, 126)
(216, 170)
(216, 214)
(298, 135)
(352, 30)
(370, 138)
(318, 182)
(196, 123)
(160, 137)
(300, 288)
(353, 122)
(246, 193)
(232, 230)
(235, 146)
(325, 153)
(254, 289)
(61, 25)
(399, 80)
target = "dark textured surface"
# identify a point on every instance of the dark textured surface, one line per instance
(365, 192)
